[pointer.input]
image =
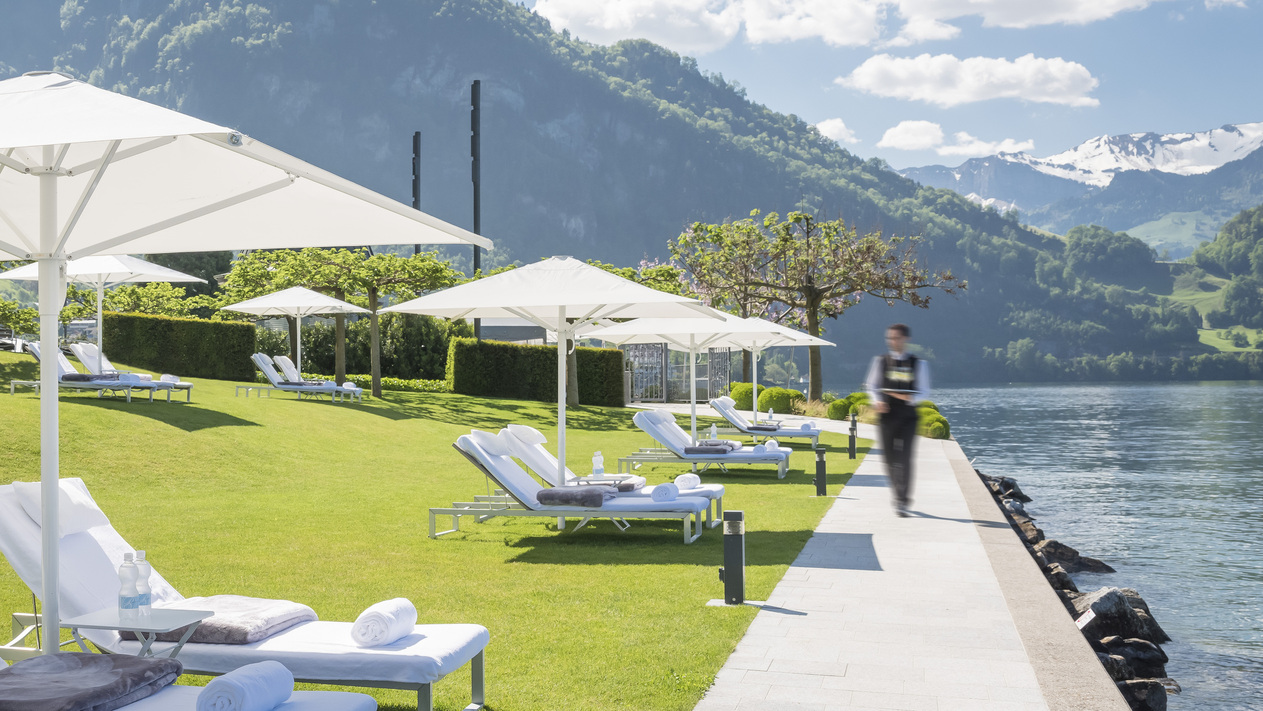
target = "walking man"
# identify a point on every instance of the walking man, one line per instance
(896, 382)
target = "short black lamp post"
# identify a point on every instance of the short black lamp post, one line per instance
(734, 571)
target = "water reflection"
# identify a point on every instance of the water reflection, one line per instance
(1163, 483)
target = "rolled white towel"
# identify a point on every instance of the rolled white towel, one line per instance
(758, 449)
(384, 622)
(255, 687)
(771, 445)
(169, 378)
(688, 481)
(809, 425)
(665, 492)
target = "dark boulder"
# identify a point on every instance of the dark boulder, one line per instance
(1054, 551)
(1146, 659)
(1144, 694)
(1059, 578)
(1010, 490)
(1112, 615)
(1115, 666)
(1153, 631)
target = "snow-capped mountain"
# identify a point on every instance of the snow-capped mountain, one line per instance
(1096, 161)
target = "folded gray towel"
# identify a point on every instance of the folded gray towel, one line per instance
(85, 377)
(238, 619)
(77, 681)
(726, 443)
(763, 428)
(586, 496)
(706, 450)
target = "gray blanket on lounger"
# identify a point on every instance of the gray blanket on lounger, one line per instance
(76, 681)
(586, 496)
(237, 619)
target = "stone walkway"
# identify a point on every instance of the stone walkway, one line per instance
(941, 611)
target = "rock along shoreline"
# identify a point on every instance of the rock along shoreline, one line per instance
(1115, 621)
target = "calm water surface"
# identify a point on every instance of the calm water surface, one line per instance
(1163, 482)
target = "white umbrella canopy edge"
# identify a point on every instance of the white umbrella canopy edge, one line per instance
(85, 171)
(298, 302)
(561, 294)
(101, 272)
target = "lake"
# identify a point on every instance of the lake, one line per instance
(1164, 483)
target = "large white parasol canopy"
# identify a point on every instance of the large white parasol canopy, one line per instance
(101, 273)
(297, 302)
(85, 171)
(561, 294)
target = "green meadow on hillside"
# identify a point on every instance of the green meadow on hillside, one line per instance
(327, 505)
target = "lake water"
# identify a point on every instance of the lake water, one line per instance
(1164, 483)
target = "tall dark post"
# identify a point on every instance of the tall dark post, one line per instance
(475, 151)
(416, 179)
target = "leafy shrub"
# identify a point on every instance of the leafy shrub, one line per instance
(743, 395)
(494, 369)
(188, 347)
(828, 397)
(840, 409)
(931, 424)
(928, 404)
(779, 399)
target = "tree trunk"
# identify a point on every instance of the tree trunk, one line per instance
(572, 374)
(375, 344)
(294, 335)
(746, 361)
(339, 342)
(815, 386)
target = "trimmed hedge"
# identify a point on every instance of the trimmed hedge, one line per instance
(187, 347)
(495, 369)
(779, 399)
(842, 408)
(743, 395)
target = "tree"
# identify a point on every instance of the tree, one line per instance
(205, 265)
(157, 298)
(18, 319)
(806, 270)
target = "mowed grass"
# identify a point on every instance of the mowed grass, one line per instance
(327, 505)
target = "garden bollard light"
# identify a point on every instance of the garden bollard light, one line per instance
(820, 476)
(854, 432)
(734, 571)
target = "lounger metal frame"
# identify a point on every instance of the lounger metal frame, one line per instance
(96, 385)
(779, 434)
(506, 504)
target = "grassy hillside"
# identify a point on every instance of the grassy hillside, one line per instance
(326, 504)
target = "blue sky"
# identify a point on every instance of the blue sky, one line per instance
(922, 82)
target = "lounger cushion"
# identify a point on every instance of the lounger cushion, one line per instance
(528, 435)
(490, 443)
(324, 651)
(184, 698)
(75, 508)
(79, 681)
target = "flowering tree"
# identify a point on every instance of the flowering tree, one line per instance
(804, 270)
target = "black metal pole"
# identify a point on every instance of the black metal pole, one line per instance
(475, 151)
(416, 179)
(821, 490)
(733, 572)
(851, 443)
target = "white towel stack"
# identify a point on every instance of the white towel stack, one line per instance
(169, 378)
(385, 622)
(772, 445)
(758, 449)
(688, 481)
(255, 687)
(665, 492)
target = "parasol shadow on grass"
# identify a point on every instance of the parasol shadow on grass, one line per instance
(186, 416)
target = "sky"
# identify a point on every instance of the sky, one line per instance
(936, 82)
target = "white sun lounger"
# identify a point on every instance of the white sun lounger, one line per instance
(317, 652)
(292, 375)
(727, 409)
(490, 455)
(530, 450)
(336, 392)
(88, 354)
(124, 385)
(661, 425)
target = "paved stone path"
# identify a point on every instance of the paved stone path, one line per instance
(940, 611)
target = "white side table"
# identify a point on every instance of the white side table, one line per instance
(146, 628)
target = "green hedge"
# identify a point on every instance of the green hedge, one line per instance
(743, 395)
(187, 347)
(842, 408)
(779, 399)
(495, 369)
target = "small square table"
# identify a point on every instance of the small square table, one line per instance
(146, 628)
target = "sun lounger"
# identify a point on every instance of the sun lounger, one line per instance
(678, 447)
(527, 445)
(291, 374)
(88, 354)
(727, 408)
(336, 392)
(318, 652)
(70, 378)
(489, 453)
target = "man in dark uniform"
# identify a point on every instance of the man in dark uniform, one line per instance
(896, 382)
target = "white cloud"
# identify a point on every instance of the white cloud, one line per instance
(945, 80)
(927, 135)
(701, 26)
(912, 136)
(1212, 4)
(970, 147)
(834, 128)
(687, 26)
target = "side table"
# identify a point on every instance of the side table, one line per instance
(146, 628)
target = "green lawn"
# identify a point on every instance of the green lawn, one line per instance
(1211, 337)
(326, 504)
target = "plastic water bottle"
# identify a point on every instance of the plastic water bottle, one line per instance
(144, 602)
(128, 596)
(769, 414)
(714, 431)
(598, 464)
